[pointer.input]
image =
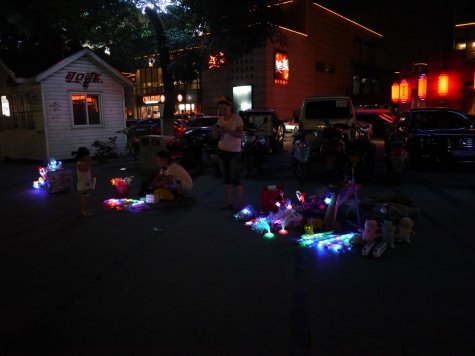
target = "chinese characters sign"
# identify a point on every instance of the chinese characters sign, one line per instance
(281, 68)
(216, 61)
(81, 78)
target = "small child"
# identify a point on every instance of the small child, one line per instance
(85, 179)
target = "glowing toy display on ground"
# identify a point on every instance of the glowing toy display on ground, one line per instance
(126, 204)
(245, 214)
(121, 186)
(328, 241)
(285, 217)
(52, 166)
(262, 225)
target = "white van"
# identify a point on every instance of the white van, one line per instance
(318, 112)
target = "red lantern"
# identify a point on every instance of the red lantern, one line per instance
(404, 91)
(395, 92)
(443, 84)
(422, 87)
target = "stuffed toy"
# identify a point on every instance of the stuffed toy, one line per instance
(370, 231)
(404, 229)
(388, 230)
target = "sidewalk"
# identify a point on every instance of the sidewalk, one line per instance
(187, 279)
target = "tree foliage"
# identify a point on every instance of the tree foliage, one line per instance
(179, 38)
(56, 28)
(234, 27)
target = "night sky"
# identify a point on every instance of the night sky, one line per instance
(411, 29)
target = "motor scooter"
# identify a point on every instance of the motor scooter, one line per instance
(328, 146)
(105, 149)
(194, 150)
(254, 148)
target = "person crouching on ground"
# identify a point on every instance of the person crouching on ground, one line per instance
(172, 181)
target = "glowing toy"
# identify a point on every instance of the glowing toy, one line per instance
(286, 216)
(121, 181)
(328, 241)
(245, 214)
(121, 186)
(133, 205)
(262, 225)
(339, 243)
(309, 240)
(52, 166)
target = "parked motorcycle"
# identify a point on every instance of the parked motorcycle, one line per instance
(194, 150)
(336, 148)
(396, 155)
(104, 150)
(254, 148)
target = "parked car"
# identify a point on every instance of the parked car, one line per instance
(267, 122)
(291, 126)
(151, 126)
(330, 134)
(435, 134)
(378, 118)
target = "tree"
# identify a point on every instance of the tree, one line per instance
(182, 36)
(234, 27)
(56, 29)
(191, 30)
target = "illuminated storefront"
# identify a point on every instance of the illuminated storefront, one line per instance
(150, 94)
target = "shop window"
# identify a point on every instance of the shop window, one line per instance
(86, 109)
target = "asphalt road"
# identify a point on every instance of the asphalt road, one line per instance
(188, 279)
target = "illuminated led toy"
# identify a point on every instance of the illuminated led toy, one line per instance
(121, 186)
(285, 217)
(339, 243)
(52, 166)
(262, 225)
(133, 205)
(246, 214)
(311, 239)
(328, 241)
(313, 206)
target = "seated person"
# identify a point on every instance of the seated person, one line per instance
(172, 181)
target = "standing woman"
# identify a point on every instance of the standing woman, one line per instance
(229, 131)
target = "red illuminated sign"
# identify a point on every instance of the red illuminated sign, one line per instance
(216, 61)
(80, 78)
(281, 68)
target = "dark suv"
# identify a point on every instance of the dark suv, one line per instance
(276, 129)
(437, 134)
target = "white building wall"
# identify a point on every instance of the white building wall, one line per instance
(63, 136)
(22, 134)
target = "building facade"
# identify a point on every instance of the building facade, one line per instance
(447, 79)
(316, 51)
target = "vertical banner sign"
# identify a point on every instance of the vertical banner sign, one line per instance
(281, 68)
